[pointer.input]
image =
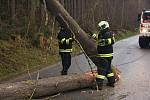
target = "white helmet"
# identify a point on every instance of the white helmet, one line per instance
(103, 25)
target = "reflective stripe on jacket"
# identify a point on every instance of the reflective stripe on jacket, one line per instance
(65, 50)
(65, 39)
(105, 55)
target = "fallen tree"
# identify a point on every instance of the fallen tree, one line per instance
(44, 87)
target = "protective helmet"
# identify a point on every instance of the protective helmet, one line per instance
(103, 25)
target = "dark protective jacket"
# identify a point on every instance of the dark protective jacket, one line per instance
(105, 40)
(65, 39)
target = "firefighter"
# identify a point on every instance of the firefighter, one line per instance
(65, 39)
(105, 40)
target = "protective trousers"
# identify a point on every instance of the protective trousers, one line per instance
(66, 62)
(104, 70)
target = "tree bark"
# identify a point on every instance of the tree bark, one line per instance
(63, 17)
(44, 87)
(12, 10)
(32, 18)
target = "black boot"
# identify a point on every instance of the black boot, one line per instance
(99, 83)
(63, 72)
(99, 86)
(111, 81)
(111, 84)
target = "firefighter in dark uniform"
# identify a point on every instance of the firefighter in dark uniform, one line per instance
(65, 39)
(105, 40)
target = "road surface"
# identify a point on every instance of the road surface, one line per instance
(133, 62)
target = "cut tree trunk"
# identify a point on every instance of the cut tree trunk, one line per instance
(44, 87)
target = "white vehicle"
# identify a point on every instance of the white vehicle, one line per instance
(144, 38)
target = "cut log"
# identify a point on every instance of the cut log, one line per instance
(44, 87)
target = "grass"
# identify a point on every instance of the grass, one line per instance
(16, 59)
(124, 34)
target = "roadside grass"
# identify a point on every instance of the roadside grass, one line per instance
(124, 34)
(16, 59)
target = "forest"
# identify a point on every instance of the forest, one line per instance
(27, 17)
(26, 27)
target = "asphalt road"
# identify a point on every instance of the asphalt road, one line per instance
(133, 62)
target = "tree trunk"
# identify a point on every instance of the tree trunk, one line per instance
(63, 17)
(13, 10)
(44, 87)
(32, 18)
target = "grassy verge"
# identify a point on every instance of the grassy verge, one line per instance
(16, 59)
(124, 34)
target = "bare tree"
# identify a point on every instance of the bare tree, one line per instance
(12, 10)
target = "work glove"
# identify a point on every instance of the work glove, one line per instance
(102, 42)
(71, 39)
(68, 41)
